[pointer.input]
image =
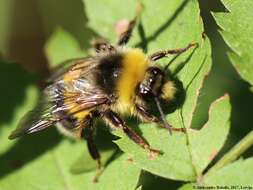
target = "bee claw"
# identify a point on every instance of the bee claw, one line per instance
(96, 177)
(98, 171)
(153, 153)
(183, 130)
(193, 44)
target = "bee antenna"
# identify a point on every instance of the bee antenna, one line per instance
(163, 119)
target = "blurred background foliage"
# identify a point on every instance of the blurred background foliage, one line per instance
(26, 25)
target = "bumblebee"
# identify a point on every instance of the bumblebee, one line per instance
(115, 82)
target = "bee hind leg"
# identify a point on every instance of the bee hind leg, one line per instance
(116, 122)
(88, 134)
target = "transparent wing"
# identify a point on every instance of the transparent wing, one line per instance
(76, 89)
(63, 99)
(36, 120)
(46, 114)
(72, 64)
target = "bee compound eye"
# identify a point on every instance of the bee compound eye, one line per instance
(156, 71)
(145, 92)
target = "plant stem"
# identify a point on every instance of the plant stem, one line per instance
(233, 154)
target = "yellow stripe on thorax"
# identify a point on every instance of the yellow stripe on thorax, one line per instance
(134, 65)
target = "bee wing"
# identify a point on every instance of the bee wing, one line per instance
(47, 114)
(35, 120)
(64, 98)
(59, 71)
(75, 88)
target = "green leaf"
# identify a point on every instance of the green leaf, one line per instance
(55, 164)
(121, 174)
(178, 24)
(13, 92)
(19, 96)
(62, 46)
(219, 174)
(188, 186)
(85, 163)
(53, 15)
(238, 173)
(31, 94)
(206, 143)
(181, 161)
(175, 163)
(237, 32)
(104, 22)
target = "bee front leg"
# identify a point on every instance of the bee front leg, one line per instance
(115, 121)
(161, 54)
(88, 134)
(146, 116)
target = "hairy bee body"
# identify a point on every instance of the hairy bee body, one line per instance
(114, 82)
(115, 76)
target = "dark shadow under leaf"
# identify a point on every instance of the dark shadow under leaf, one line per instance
(13, 81)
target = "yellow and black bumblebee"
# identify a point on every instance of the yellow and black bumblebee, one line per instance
(116, 81)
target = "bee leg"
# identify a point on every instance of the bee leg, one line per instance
(125, 36)
(101, 45)
(89, 136)
(146, 116)
(161, 54)
(115, 121)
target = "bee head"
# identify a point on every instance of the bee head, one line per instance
(156, 85)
